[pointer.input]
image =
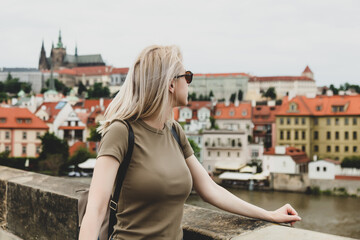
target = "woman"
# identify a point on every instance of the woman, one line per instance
(158, 179)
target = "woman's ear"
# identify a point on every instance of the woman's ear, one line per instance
(172, 86)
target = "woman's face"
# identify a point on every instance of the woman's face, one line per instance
(181, 91)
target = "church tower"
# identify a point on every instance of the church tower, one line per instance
(58, 54)
(43, 63)
(308, 73)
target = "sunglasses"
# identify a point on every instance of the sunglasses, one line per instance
(188, 76)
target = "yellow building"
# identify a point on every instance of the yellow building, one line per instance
(20, 131)
(325, 126)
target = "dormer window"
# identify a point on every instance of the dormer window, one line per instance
(2, 120)
(337, 108)
(318, 108)
(293, 107)
(231, 113)
(244, 112)
(218, 113)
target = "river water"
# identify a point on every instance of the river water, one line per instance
(329, 214)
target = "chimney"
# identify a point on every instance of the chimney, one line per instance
(227, 103)
(237, 102)
(101, 102)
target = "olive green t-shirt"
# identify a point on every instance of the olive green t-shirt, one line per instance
(156, 184)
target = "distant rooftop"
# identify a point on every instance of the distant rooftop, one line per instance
(4, 69)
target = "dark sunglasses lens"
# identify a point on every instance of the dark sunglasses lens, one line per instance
(188, 77)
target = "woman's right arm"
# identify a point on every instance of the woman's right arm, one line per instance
(99, 194)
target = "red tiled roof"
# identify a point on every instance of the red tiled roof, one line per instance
(296, 154)
(196, 105)
(331, 161)
(120, 70)
(341, 177)
(321, 106)
(50, 109)
(237, 111)
(220, 74)
(11, 114)
(88, 103)
(280, 78)
(264, 114)
(307, 69)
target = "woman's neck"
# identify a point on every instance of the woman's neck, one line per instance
(156, 122)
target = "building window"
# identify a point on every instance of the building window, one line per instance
(318, 169)
(288, 121)
(336, 148)
(281, 135)
(7, 135)
(316, 135)
(303, 121)
(336, 121)
(354, 121)
(228, 154)
(346, 121)
(324, 168)
(303, 135)
(24, 135)
(346, 135)
(354, 149)
(337, 135)
(209, 154)
(296, 121)
(328, 121)
(281, 121)
(244, 112)
(231, 113)
(303, 148)
(218, 113)
(218, 154)
(354, 135)
(7, 148)
(37, 134)
(296, 135)
(346, 149)
(318, 108)
(328, 135)
(23, 149)
(316, 121)
(328, 148)
(238, 154)
(288, 135)
(316, 148)
(37, 149)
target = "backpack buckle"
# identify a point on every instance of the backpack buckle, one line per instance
(113, 205)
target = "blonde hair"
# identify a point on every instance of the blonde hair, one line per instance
(145, 92)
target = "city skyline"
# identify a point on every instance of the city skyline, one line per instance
(256, 37)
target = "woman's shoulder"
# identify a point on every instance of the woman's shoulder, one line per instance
(117, 126)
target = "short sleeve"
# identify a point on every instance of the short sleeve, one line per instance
(115, 141)
(186, 147)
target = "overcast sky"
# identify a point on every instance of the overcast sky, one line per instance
(263, 38)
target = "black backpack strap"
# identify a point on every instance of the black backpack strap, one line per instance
(176, 136)
(120, 179)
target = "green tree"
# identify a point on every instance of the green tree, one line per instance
(12, 85)
(59, 86)
(195, 148)
(213, 124)
(94, 135)
(270, 93)
(334, 89)
(53, 145)
(211, 94)
(98, 91)
(9, 77)
(81, 155)
(26, 87)
(81, 88)
(2, 87)
(232, 97)
(3, 97)
(192, 96)
(240, 95)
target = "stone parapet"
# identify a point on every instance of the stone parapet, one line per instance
(36, 206)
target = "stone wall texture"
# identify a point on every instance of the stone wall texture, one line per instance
(35, 206)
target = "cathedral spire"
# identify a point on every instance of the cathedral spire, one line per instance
(76, 50)
(59, 44)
